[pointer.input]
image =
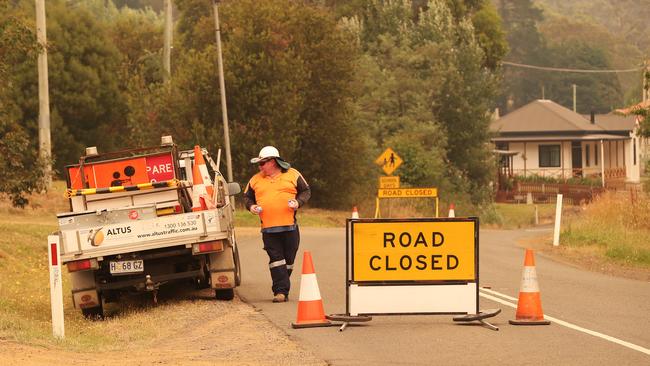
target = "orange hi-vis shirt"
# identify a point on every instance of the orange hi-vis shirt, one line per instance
(273, 195)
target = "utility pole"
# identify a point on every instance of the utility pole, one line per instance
(44, 135)
(222, 89)
(574, 98)
(646, 76)
(167, 51)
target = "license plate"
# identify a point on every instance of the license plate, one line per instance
(132, 266)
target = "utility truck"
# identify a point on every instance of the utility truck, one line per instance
(145, 217)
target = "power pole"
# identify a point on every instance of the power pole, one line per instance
(44, 135)
(574, 98)
(222, 89)
(167, 51)
(646, 76)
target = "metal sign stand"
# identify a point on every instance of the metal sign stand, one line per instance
(483, 314)
(378, 213)
(347, 319)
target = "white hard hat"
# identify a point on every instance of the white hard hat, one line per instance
(266, 153)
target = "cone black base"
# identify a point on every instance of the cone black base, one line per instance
(529, 322)
(349, 318)
(326, 323)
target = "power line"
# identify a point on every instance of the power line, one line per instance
(570, 70)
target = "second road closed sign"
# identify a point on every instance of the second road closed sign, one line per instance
(414, 251)
(407, 192)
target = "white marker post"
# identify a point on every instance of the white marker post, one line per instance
(558, 218)
(56, 285)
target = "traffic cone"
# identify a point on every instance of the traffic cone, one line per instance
(451, 211)
(202, 191)
(355, 212)
(310, 305)
(529, 306)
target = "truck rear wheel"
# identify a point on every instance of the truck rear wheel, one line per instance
(235, 255)
(224, 294)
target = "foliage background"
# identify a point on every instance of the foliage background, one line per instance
(330, 83)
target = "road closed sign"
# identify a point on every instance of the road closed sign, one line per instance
(412, 250)
(407, 192)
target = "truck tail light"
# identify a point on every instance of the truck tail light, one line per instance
(82, 265)
(207, 247)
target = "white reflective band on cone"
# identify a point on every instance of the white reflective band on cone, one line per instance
(529, 280)
(309, 288)
(204, 174)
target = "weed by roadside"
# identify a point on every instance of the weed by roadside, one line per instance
(616, 226)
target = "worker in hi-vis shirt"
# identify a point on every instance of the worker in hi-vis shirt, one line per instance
(275, 193)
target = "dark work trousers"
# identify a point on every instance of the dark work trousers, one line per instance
(281, 248)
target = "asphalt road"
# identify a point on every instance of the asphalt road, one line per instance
(596, 319)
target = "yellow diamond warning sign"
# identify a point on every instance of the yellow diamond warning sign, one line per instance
(389, 161)
(415, 250)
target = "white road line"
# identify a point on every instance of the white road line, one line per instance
(562, 322)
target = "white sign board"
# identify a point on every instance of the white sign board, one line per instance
(412, 266)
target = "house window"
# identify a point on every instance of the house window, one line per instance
(596, 154)
(549, 156)
(587, 152)
(634, 146)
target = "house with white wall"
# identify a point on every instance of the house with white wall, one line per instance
(546, 139)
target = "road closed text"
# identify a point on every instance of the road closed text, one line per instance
(433, 262)
(414, 251)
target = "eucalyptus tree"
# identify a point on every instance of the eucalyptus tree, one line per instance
(20, 166)
(431, 82)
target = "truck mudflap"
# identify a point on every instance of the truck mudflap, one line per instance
(84, 292)
(222, 269)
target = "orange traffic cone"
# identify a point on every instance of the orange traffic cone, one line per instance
(452, 213)
(202, 191)
(529, 306)
(355, 212)
(310, 305)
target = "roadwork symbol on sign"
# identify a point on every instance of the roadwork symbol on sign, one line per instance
(389, 161)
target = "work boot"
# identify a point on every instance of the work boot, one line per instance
(280, 298)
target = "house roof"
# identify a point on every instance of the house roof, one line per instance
(540, 138)
(615, 122)
(543, 116)
(631, 109)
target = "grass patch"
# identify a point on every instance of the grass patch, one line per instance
(616, 226)
(514, 216)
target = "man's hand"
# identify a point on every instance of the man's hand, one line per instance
(255, 209)
(293, 204)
